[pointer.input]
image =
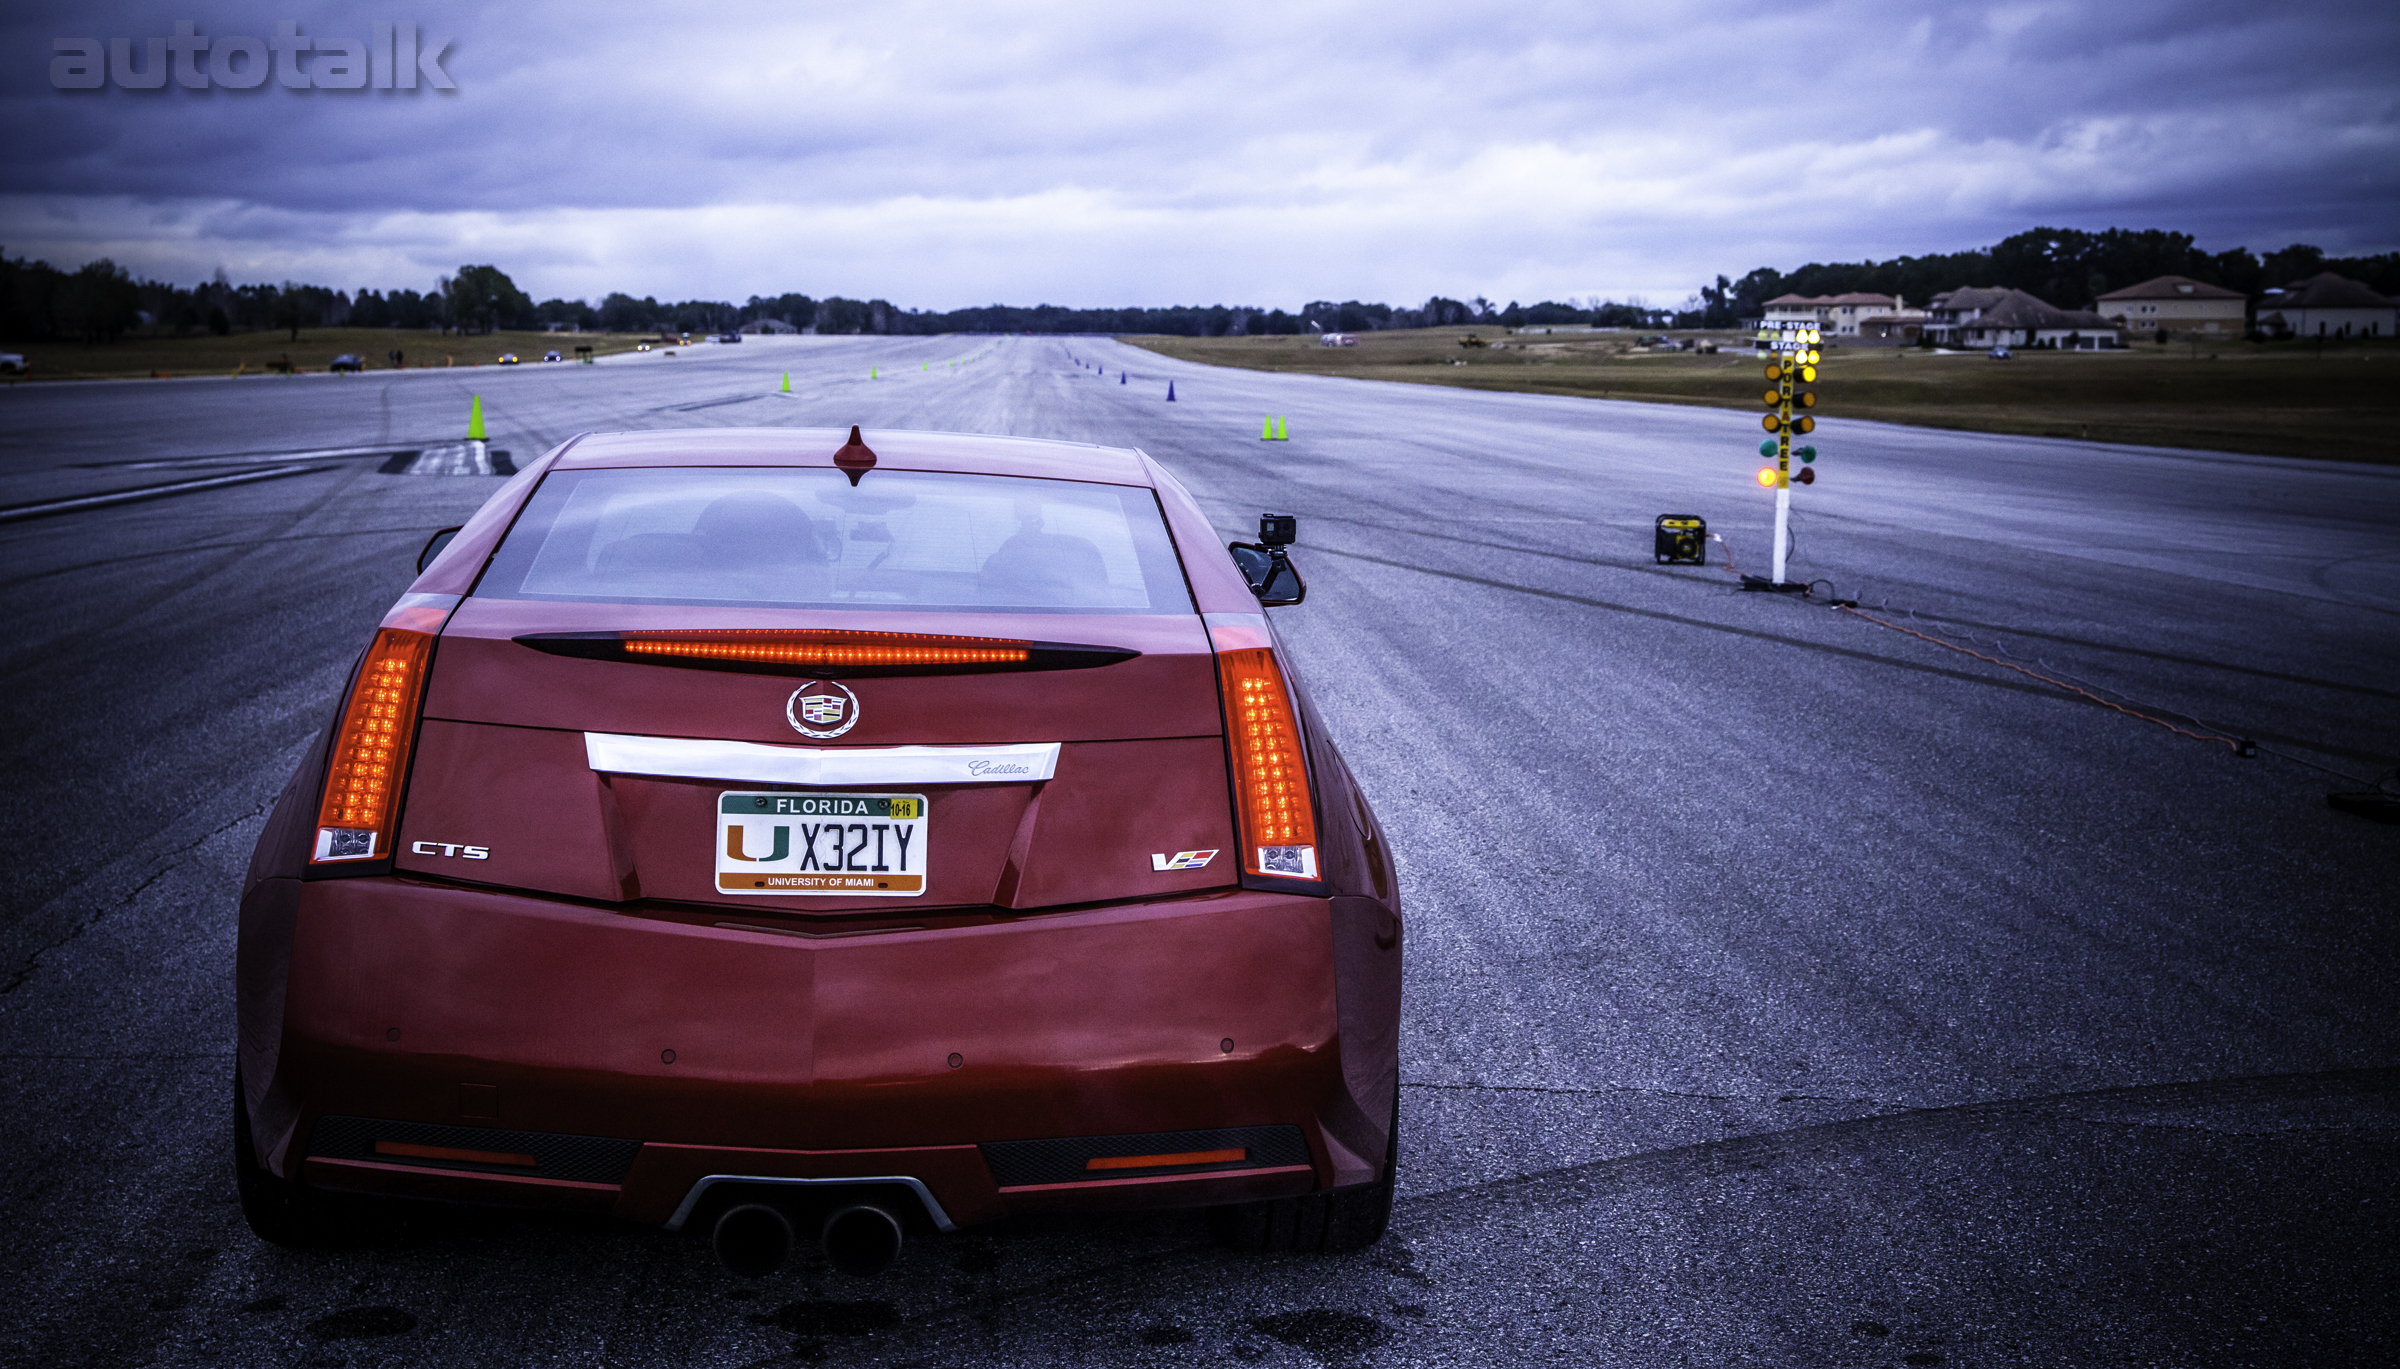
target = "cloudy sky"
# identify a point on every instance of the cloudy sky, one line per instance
(951, 154)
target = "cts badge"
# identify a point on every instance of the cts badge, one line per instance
(822, 709)
(449, 848)
(1182, 860)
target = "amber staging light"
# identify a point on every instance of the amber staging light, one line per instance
(1279, 824)
(828, 649)
(369, 760)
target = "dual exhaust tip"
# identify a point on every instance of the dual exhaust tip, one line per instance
(752, 1240)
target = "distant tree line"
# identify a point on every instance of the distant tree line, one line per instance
(2067, 267)
(100, 302)
(1215, 320)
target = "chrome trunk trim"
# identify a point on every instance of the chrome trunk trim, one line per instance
(756, 763)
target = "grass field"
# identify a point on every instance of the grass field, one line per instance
(2278, 399)
(258, 353)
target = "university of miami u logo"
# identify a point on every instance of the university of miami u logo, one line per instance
(734, 843)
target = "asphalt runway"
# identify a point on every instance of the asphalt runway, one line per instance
(1783, 988)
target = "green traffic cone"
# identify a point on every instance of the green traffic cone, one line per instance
(475, 419)
(1266, 429)
(872, 374)
(787, 382)
(1283, 431)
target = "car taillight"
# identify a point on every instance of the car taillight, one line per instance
(1270, 774)
(369, 759)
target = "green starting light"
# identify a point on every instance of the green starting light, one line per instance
(1806, 454)
(1767, 448)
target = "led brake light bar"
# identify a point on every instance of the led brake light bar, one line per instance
(823, 651)
(826, 650)
(1270, 776)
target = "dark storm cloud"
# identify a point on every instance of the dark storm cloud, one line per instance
(945, 154)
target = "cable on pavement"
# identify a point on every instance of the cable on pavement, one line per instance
(2241, 746)
(2380, 800)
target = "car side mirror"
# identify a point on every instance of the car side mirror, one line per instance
(433, 548)
(1264, 564)
(1270, 574)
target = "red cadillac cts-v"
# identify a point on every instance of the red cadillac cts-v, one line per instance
(766, 834)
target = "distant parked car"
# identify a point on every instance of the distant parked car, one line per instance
(552, 356)
(347, 361)
(508, 358)
(2001, 354)
(12, 363)
(729, 337)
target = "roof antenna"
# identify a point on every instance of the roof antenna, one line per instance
(855, 458)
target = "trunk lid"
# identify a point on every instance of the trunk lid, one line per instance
(605, 779)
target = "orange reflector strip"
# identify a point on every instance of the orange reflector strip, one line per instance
(1188, 1157)
(370, 749)
(1270, 779)
(472, 1157)
(828, 649)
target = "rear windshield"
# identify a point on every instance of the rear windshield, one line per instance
(806, 538)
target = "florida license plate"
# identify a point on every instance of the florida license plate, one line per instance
(865, 845)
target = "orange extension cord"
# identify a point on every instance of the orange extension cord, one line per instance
(2238, 746)
(2232, 742)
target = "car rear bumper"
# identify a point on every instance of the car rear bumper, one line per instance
(470, 1045)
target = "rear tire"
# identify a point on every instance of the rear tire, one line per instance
(1319, 1223)
(279, 1211)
